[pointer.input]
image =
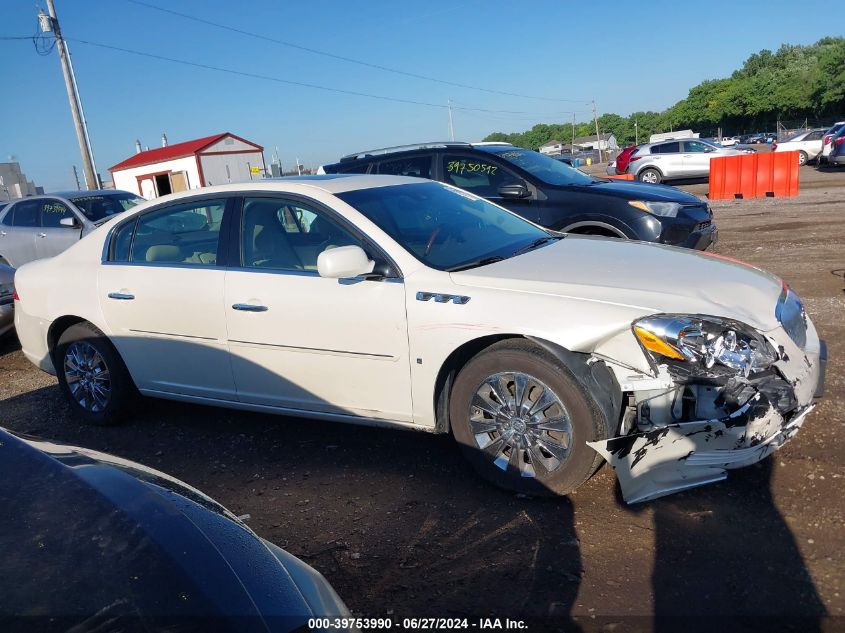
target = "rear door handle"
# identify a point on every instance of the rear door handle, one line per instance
(42, 235)
(121, 296)
(2, 232)
(246, 307)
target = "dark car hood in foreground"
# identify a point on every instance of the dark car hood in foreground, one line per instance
(88, 537)
(636, 190)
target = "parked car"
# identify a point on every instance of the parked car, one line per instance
(729, 141)
(622, 161)
(828, 137)
(548, 192)
(808, 144)
(43, 226)
(7, 305)
(138, 550)
(395, 301)
(752, 139)
(566, 160)
(837, 151)
(669, 160)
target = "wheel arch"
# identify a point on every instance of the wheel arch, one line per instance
(58, 327)
(649, 166)
(593, 374)
(578, 228)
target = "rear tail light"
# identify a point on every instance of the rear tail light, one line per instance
(633, 158)
(826, 139)
(774, 147)
(839, 140)
(15, 296)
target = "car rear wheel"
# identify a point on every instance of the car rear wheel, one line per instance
(92, 375)
(650, 175)
(802, 157)
(523, 420)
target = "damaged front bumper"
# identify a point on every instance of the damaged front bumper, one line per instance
(656, 459)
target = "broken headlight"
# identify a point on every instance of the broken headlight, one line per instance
(663, 209)
(705, 343)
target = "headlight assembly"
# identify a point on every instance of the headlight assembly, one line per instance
(662, 209)
(702, 343)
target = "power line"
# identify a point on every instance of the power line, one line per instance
(343, 58)
(288, 81)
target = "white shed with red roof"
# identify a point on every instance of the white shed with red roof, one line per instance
(212, 160)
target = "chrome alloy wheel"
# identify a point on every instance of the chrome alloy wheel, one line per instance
(650, 177)
(87, 376)
(518, 421)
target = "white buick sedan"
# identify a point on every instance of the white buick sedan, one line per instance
(409, 303)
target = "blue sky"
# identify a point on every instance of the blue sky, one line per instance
(629, 56)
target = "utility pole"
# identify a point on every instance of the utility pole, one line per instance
(598, 136)
(572, 148)
(451, 125)
(76, 178)
(73, 97)
(636, 133)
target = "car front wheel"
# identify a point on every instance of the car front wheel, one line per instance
(802, 157)
(523, 420)
(92, 375)
(650, 175)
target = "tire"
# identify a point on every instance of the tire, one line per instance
(650, 175)
(802, 158)
(82, 355)
(506, 449)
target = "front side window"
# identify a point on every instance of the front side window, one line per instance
(53, 212)
(477, 174)
(101, 206)
(284, 234)
(418, 166)
(444, 227)
(697, 147)
(25, 214)
(187, 233)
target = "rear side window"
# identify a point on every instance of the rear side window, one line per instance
(24, 214)
(187, 233)
(667, 148)
(121, 243)
(355, 168)
(418, 166)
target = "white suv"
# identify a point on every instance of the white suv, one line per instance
(674, 159)
(402, 302)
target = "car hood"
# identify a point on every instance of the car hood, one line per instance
(636, 190)
(651, 278)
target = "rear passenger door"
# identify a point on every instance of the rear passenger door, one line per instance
(667, 158)
(18, 230)
(485, 177)
(161, 292)
(53, 238)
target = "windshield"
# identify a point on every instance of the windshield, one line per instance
(547, 169)
(100, 206)
(442, 226)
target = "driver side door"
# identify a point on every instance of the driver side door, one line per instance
(302, 342)
(53, 238)
(696, 159)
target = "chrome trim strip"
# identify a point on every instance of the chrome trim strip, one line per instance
(297, 348)
(165, 265)
(121, 296)
(246, 307)
(201, 338)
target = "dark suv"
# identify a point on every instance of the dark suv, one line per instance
(548, 192)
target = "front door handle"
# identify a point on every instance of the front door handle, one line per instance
(246, 307)
(121, 296)
(2, 232)
(42, 235)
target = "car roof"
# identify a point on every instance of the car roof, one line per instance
(82, 193)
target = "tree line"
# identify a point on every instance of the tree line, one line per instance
(792, 84)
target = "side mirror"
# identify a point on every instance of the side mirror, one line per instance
(344, 262)
(70, 223)
(514, 191)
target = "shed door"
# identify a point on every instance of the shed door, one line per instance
(178, 181)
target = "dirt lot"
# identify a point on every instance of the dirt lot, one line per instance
(400, 525)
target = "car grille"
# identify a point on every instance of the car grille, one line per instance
(703, 225)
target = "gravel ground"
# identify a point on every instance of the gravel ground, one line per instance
(400, 525)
